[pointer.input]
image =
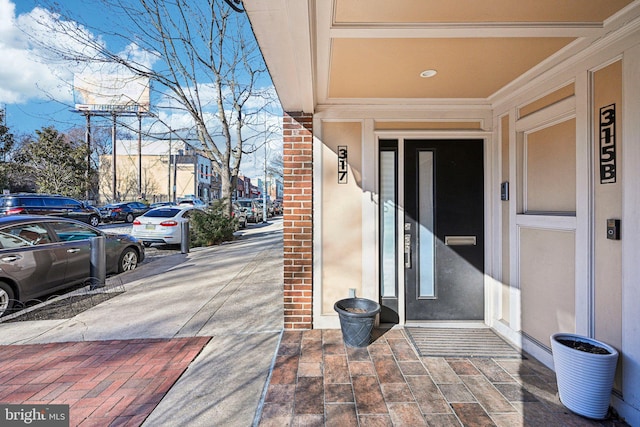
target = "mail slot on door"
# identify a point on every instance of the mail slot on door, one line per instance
(460, 240)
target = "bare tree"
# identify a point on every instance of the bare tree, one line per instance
(200, 55)
(276, 166)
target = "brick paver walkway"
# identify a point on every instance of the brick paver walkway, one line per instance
(317, 381)
(104, 382)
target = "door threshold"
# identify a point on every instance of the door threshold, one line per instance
(454, 324)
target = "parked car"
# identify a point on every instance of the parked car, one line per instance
(41, 254)
(123, 211)
(239, 213)
(160, 204)
(192, 201)
(277, 207)
(49, 204)
(162, 225)
(253, 209)
(270, 209)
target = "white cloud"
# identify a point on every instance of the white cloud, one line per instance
(33, 73)
(21, 74)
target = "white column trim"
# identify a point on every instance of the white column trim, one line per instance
(584, 314)
(318, 320)
(630, 407)
(370, 200)
(514, 241)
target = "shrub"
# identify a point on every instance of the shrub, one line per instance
(211, 227)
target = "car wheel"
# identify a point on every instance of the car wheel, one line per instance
(129, 218)
(94, 220)
(6, 298)
(128, 260)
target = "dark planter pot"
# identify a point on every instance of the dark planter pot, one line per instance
(357, 316)
(584, 379)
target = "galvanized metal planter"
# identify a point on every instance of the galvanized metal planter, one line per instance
(357, 316)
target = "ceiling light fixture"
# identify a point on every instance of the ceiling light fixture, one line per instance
(428, 73)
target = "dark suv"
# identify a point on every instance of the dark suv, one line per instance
(48, 204)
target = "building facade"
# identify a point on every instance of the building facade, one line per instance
(463, 164)
(162, 170)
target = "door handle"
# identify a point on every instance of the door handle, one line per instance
(73, 250)
(11, 258)
(407, 251)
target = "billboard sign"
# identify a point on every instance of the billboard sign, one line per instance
(111, 93)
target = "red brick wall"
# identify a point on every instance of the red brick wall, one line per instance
(298, 220)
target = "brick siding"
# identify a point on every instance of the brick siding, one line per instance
(298, 220)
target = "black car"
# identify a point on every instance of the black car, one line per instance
(40, 255)
(49, 204)
(123, 211)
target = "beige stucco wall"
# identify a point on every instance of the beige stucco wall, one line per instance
(608, 204)
(547, 282)
(154, 177)
(551, 168)
(341, 214)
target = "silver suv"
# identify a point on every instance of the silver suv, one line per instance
(252, 207)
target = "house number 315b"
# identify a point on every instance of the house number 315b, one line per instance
(608, 144)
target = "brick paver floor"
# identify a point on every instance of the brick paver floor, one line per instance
(103, 382)
(317, 381)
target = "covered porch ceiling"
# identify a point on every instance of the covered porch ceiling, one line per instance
(368, 52)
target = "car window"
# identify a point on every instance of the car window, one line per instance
(162, 213)
(52, 201)
(9, 241)
(61, 202)
(71, 203)
(69, 231)
(34, 234)
(31, 201)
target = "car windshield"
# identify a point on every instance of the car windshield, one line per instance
(162, 213)
(244, 203)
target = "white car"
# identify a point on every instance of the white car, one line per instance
(161, 225)
(192, 201)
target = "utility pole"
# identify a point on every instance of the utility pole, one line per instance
(140, 156)
(169, 175)
(113, 143)
(88, 139)
(264, 187)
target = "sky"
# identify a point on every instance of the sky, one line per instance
(35, 93)
(36, 90)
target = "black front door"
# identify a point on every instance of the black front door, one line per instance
(443, 237)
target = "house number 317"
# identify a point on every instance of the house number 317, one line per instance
(342, 164)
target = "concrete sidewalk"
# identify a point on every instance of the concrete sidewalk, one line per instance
(230, 294)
